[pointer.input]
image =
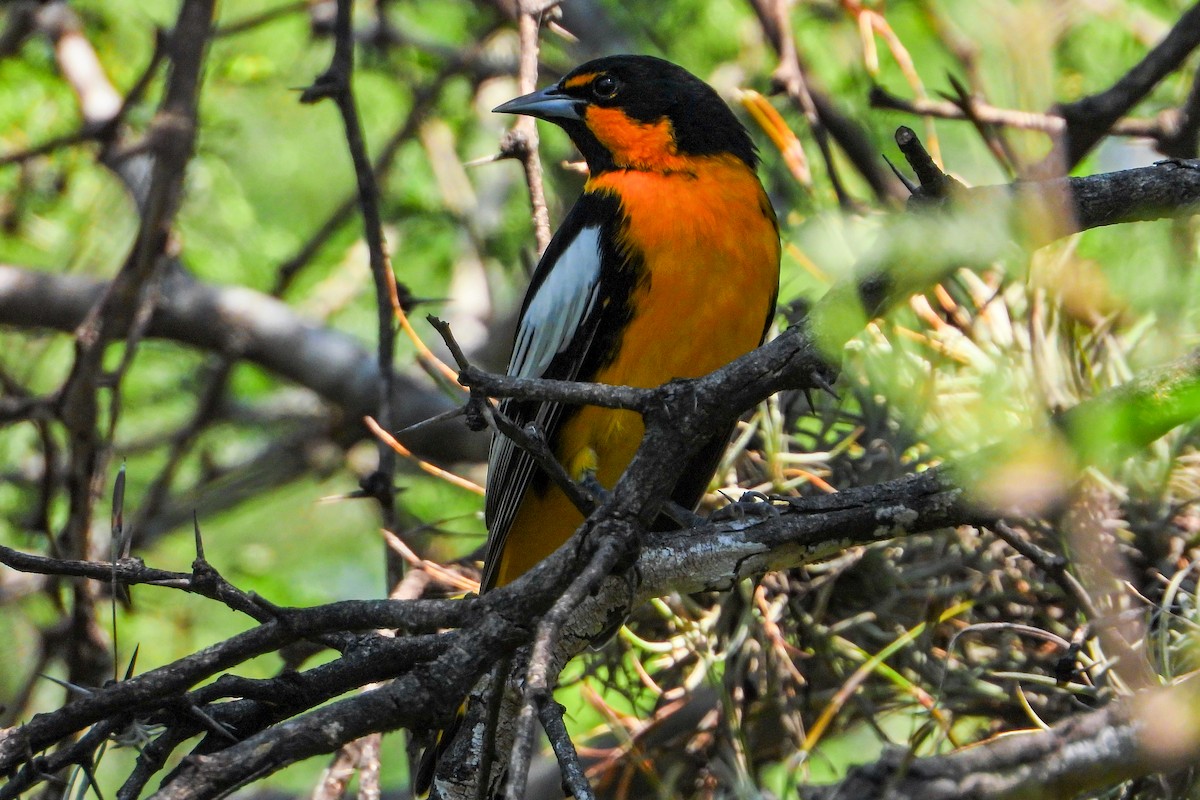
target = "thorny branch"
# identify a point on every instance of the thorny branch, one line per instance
(797, 358)
(1089, 118)
(1008, 117)
(713, 555)
(812, 529)
(126, 306)
(336, 83)
(683, 560)
(787, 361)
(539, 682)
(1084, 754)
(1078, 126)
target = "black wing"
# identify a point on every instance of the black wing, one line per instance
(572, 291)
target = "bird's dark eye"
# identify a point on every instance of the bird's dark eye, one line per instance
(605, 86)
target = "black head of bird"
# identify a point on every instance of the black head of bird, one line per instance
(638, 112)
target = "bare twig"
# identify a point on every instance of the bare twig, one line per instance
(424, 99)
(1083, 754)
(337, 83)
(522, 140)
(533, 441)
(991, 134)
(258, 20)
(335, 779)
(573, 775)
(99, 102)
(1181, 136)
(129, 572)
(1045, 122)
(819, 109)
(577, 393)
(539, 683)
(1090, 118)
(181, 441)
(46, 147)
(529, 439)
(126, 306)
(1052, 564)
(789, 76)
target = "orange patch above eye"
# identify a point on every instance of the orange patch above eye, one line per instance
(580, 80)
(635, 144)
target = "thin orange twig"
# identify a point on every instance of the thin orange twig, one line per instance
(432, 469)
(446, 576)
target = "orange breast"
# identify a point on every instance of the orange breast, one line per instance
(711, 255)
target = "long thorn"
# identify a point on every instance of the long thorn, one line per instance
(199, 539)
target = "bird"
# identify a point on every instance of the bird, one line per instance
(667, 266)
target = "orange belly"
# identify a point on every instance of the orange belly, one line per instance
(712, 266)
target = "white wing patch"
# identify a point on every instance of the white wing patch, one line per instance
(558, 307)
(554, 316)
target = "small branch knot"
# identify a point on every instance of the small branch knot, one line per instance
(379, 486)
(515, 144)
(475, 416)
(329, 83)
(936, 186)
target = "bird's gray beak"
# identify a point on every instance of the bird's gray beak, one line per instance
(549, 103)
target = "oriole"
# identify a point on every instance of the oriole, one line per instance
(666, 267)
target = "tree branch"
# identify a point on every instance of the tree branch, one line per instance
(261, 330)
(1084, 754)
(336, 83)
(1090, 118)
